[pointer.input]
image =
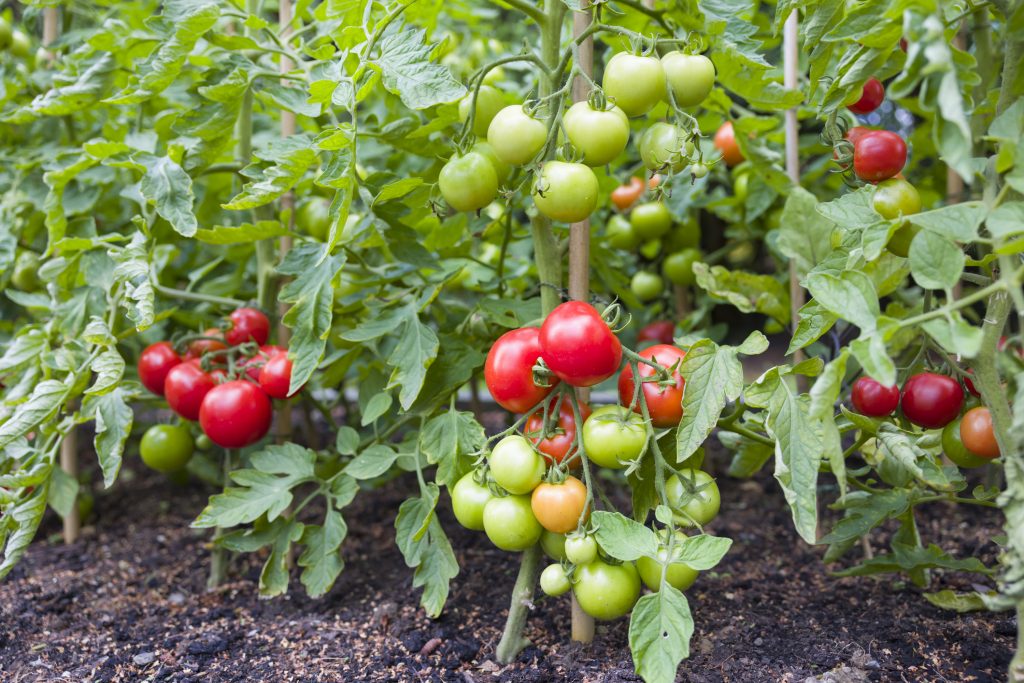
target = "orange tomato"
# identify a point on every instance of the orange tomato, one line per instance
(558, 507)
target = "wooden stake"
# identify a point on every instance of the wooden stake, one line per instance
(791, 57)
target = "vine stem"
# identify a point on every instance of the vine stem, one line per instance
(197, 296)
(219, 555)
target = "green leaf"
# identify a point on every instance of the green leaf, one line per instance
(406, 70)
(18, 527)
(412, 357)
(321, 560)
(906, 559)
(29, 345)
(702, 552)
(109, 369)
(660, 628)
(971, 601)
(347, 440)
(133, 272)
(1006, 220)
(955, 334)
(373, 462)
(377, 406)
(114, 418)
(426, 548)
(63, 491)
(46, 397)
(167, 185)
(863, 512)
(623, 538)
(814, 321)
(714, 377)
(286, 161)
(850, 296)
(747, 74)
(804, 234)
(241, 234)
(275, 573)
(748, 292)
(448, 440)
(958, 222)
(88, 88)
(749, 458)
(936, 262)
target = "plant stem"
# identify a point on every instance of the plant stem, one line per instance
(197, 296)
(219, 555)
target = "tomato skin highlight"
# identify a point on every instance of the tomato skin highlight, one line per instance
(613, 436)
(554, 447)
(879, 155)
(510, 524)
(235, 414)
(566, 191)
(515, 466)
(166, 448)
(977, 433)
(871, 398)
(508, 371)
(558, 507)
(930, 400)
(871, 97)
(580, 549)
(665, 404)
(468, 501)
(578, 346)
(155, 361)
(276, 377)
(606, 591)
(186, 387)
(635, 84)
(953, 447)
(660, 331)
(725, 141)
(247, 324)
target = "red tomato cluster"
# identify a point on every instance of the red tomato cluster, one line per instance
(871, 97)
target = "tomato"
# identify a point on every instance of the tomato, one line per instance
(741, 186)
(276, 377)
(555, 445)
(661, 331)
(678, 267)
(614, 436)
(468, 182)
(636, 84)
(930, 400)
(501, 170)
(873, 399)
(314, 217)
(235, 414)
(247, 324)
(578, 346)
(651, 220)
(899, 243)
(903, 44)
(209, 344)
(953, 447)
(553, 581)
(663, 144)
(559, 507)
(580, 549)
(510, 524)
(620, 234)
(565, 191)
(26, 272)
(664, 403)
(695, 499)
(725, 141)
(690, 77)
(857, 132)
(624, 196)
(647, 286)
(166, 448)
(684, 236)
(679, 575)
(515, 465)
(155, 361)
(516, 136)
(969, 383)
(879, 155)
(871, 97)
(186, 386)
(977, 433)
(698, 170)
(468, 501)
(5, 33)
(553, 545)
(896, 197)
(254, 364)
(488, 103)
(508, 371)
(606, 591)
(20, 46)
(599, 135)
(650, 249)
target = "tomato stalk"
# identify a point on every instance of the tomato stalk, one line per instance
(219, 554)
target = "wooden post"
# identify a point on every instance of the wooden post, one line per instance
(791, 60)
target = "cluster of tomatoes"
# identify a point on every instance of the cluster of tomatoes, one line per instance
(17, 42)
(525, 492)
(225, 381)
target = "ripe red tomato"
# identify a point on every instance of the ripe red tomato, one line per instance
(970, 385)
(276, 376)
(154, 364)
(200, 346)
(665, 403)
(879, 155)
(508, 371)
(578, 346)
(555, 446)
(977, 433)
(558, 507)
(871, 97)
(185, 388)
(661, 331)
(247, 324)
(873, 399)
(624, 196)
(857, 132)
(235, 414)
(725, 141)
(931, 401)
(253, 364)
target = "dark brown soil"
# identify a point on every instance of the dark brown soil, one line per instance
(127, 603)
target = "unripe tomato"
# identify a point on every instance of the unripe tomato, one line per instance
(565, 191)
(553, 581)
(553, 545)
(510, 524)
(896, 197)
(5, 33)
(624, 196)
(678, 267)
(314, 217)
(578, 346)
(953, 447)
(725, 141)
(166, 448)
(698, 170)
(684, 236)
(516, 136)
(663, 144)
(660, 331)
(468, 501)
(508, 371)
(871, 97)
(515, 465)
(276, 377)
(26, 271)
(488, 103)
(235, 414)
(635, 84)
(555, 446)
(879, 155)
(650, 249)
(599, 135)
(620, 234)
(871, 398)
(699, 506)
(155, 362)
(580, 549)
(501, 169)
(664, 403)
(651, 220)
(247, 324)
(559, 507)
(977, 433)
(21, 46)
(899, 243)
(606, 591)
(647, 286)
(931, 401)
(690, 77)
(679, 575)
(468, 182)
(186, 386)
(614, 436)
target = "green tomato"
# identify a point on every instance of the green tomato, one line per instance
(468, 501)
(741, 186)
(954, 448)
(565, 191)
(553, 581)
(650, 220)
(647, 286)
(510, 524)
(469, 182)
(635, 84)
(501, 169)
(599, 135)
(663, 144)
(42, 58)
(488, 103)
(515, 465)
(516, 136)
(620, 234)
(5, 33)
(698, 170)
(650, 249)
(203, 442)
(580, 550)
(678, 575)
(613, 436)
(553, 545)
(166, 448)
(899, 243)
(26, 272)
(314, 218)
(21, 46)
(678, 267)
(895, 197)
(700, 506)
(685, 236)
(740, 254)
(690, 77)
(606, 591)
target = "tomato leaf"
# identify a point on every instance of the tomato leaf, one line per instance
(46, 397)
(18, 527)
(425, 547)
(804, 233)
(623, 538)
(660, 629)
(702, 552)
(114, 418)
(321, 560)
(373, 462)
(449, 440)
(408, 72)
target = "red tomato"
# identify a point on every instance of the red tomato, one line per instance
(857, 132)
(555, 446)
(931, 401)
(253, 364)
(200, 346)
(977, 433)
(873, 399)
(276, 376)
(186, 386)
(661, 331)
(879, 155)
(725, 141)
(578, 346)
(235, 414)
(624, 196)
(508, 371)
(154, 364)
(970, 385)
(871, 99)
(903, 44)
(665, 403)
(247, 324)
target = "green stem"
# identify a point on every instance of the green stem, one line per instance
(197, 296)
(528, 9)
(219, 555)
